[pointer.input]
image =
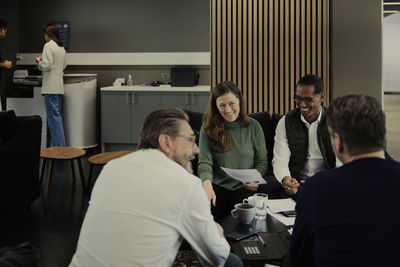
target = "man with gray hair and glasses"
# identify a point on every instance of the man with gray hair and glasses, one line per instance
(348, 216)
(145, 203)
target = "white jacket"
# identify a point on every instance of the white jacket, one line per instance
(52, 66)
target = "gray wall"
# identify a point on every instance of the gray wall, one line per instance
(120, 25)
(356, 48)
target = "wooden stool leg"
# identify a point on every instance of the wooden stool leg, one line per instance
(72, 170)
(49, 172)
(82, 175)
(42, 167)
(89, 176)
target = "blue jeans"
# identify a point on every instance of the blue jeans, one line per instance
(53, 104)
(233, 261)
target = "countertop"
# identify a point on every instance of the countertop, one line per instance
(198, 88)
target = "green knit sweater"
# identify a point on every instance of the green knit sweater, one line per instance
(248, 151)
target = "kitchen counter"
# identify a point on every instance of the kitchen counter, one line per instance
(140, 88)
(124, 109)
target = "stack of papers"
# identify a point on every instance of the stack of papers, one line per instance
(279, 205)
(275, 206)
(246, 176)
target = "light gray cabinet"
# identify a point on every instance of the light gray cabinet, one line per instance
(193, 101)
(175, 99)
(199, 101)
(143, 103)
(123, 112)
(116, 117)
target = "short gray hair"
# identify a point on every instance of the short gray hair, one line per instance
(360, 122)
(163, 121)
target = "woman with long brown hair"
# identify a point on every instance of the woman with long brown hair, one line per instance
(229, 139)
(52, 64)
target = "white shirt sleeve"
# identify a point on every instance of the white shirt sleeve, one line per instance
(199, 229)
(47, 58)
(65, 63)
(338, 162)
(280, 162)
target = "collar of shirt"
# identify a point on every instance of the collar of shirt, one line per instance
(307, 123)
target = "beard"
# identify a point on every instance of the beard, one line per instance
(185, 162)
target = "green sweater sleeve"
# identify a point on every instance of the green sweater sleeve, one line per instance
(205, 165)
(260, 151)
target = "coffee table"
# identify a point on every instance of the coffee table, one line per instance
(273, 232)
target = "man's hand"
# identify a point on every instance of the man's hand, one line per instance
(207, 186)
(38, 59)
(251, 187)
(6, 64)
(290, 185)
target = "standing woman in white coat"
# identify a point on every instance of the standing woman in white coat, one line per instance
(52, 64)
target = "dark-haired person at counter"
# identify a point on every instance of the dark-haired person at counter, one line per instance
(229, 138)
(52, 64)
(6, 64)
(3, 32)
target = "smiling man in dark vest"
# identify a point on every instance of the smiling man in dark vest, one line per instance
(302, 143)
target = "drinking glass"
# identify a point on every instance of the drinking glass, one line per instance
(165, 77)
(260, 201)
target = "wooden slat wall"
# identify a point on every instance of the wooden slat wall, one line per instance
(265, 46)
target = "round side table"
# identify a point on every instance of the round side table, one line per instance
(61, 153)
(102, 159)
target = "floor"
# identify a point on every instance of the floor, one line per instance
(52, 225)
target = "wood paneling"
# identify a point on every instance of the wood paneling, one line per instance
(265, 46)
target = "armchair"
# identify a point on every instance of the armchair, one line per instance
(19, 162)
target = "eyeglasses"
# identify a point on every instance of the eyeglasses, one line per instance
(308, 100)
(191, 139)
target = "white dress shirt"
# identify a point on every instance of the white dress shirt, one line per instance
(142, 206)
(314, 162)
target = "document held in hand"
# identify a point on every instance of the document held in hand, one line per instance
(246, 176)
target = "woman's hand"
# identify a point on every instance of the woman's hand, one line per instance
(251, 187)
(207, 186)
(38, 59)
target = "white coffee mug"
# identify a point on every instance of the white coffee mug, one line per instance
(249, 200)
(244, 212)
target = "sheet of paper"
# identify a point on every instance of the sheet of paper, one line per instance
(279, 205)
(288, 221)
(246, 176)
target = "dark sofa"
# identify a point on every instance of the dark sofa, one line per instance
(19, 162)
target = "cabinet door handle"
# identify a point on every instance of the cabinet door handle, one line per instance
(128, 98)
(186, 99)
(133, 98)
